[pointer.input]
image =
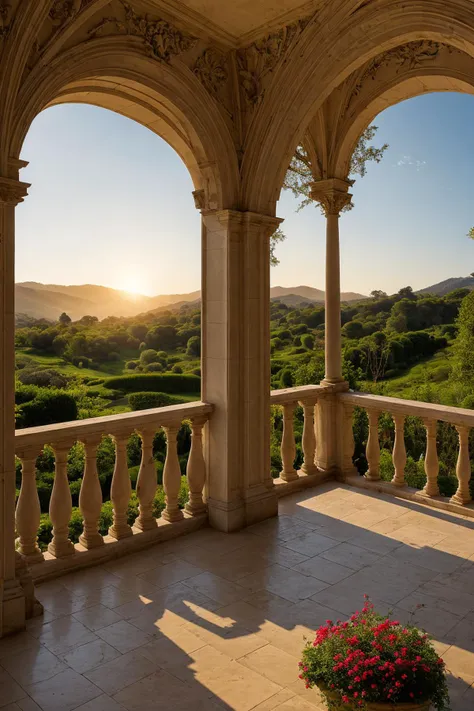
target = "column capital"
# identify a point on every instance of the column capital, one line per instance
(12, 191)
(332, 194)
(251, 220)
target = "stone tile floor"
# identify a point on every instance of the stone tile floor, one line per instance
(213, 621)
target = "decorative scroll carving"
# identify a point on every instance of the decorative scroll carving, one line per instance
(5, 18)
(199, 197)
(409, 56)
(64, 10)
(261, 57)
(161, 39)
(211, 70)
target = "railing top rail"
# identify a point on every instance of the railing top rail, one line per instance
(425, 410)
(302, 392)
(109, 425)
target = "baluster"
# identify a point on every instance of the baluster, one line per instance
(196, 469)
(172, 475)
(60, 505)
(90, 497)
(121, 489)
(399, 454)
(28, 509)
(308, 441)
(348, 467)
(146, 483)
(463, 467)
(288, 448)
(373, 447)
(431, 487)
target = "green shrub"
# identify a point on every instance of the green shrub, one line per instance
(165, 383)
(147, 400)
(43, 378)
(194, 347)
(307, 341)
(148, 356)
(25, 393)
(49, 407)
(131, 364)
(154, 368)
(176, 369)
(286, 378)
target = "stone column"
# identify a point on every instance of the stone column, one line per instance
(12, 597)
(332, 195)
(236, 366)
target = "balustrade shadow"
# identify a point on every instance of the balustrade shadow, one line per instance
(238, 607)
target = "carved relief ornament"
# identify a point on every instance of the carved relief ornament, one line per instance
(12, 192)
(261, 57)
(211, 70)
(161, 39)
(332, 195)
(5, 18)
(407, 56)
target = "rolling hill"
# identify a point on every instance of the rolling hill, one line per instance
(444, 287)
(48, 301)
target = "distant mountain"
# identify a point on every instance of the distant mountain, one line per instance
(48, 301)
(444, 287)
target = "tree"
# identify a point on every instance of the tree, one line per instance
(464, 344)
(194, 347)
(64, 319)
(299, 177)
(378, 294)
(377, 351)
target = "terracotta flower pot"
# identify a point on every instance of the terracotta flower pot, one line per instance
(337, 705)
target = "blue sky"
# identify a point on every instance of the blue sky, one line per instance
(111, 204)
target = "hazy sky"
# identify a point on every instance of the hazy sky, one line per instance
(111, 204)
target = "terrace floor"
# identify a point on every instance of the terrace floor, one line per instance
(213, 620)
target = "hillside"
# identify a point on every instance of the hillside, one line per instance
(48, 301)
(444, 287)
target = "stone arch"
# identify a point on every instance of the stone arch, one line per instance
(168, 99)
(318, 68)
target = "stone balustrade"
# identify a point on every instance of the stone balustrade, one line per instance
(122, 537)
(288, 400)
(430, 414)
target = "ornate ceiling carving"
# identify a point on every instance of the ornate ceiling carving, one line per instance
(161, 39)
(261, 57)
(211, 70)
(5, 18)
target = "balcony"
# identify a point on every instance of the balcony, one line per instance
(214, 620)
(173, 609)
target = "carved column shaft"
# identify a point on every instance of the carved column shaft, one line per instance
(196, 470)
(146, 483)
(90, 497)
(373, 447)
(288, 448)
(431, 487)
(60, 505)
(399, 455)
(463, 468)
(121, 489)
(28, 510)
(172, 475)
(308, 441)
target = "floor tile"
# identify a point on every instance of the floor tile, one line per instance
(64, 634)
(171, 573)
(218, 589)
(273, 663)
(162, 691)
(89, 656)
(351, 556)
(325, 570)
(123, 636)
(115, 675)
(310, 544)
(96, 617)
(10, 690)
(16, 643)
(284, 582)
(101, 703)
(63, 692)
(33, 665)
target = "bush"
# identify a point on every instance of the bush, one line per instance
(286, 378)
(165, 383)
(50, 406)
(307, 341)
(25, 393)
(131, 364)
(154, 368)
(42, 378)
(176, 369)
(147, 400)
(194, 347)
(148, 356)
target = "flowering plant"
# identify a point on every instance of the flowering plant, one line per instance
(374, 659)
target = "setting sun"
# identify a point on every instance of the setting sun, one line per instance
(132, 286)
